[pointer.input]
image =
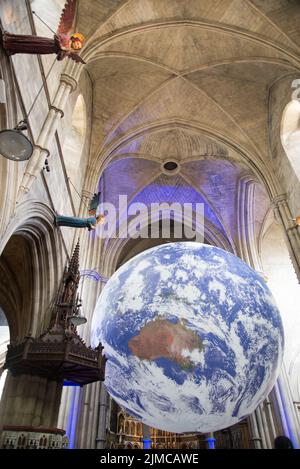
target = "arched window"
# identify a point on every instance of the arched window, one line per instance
(121, 423)
(283, 283)
(290, 134)
(132, 427)
(4, 341)
(126, 428)
(73, 146)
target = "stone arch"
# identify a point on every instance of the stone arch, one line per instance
(254, 164)
(290, 134)
(115, 248)
(17, 283)
(31, 263)
(95, 46)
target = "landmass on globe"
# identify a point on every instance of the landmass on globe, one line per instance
(163, 339)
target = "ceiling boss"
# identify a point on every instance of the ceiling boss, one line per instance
(65, 43)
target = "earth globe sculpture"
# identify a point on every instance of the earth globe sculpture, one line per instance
(193, 337)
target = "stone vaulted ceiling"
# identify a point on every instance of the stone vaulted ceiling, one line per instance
(188, 80)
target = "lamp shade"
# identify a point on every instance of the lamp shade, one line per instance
(15, 146)
(77, 320)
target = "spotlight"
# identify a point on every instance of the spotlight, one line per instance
(14, 145)
(77, 320)
(47, 167)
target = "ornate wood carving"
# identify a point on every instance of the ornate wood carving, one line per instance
(60, 353)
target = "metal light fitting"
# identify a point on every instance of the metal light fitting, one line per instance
(14, 145)
(77, 320)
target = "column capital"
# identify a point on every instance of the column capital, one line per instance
(279, 199)
(57, 110)
(24, 187)
(86, 193)
(69, 80)
(42, 150)
(246, 177)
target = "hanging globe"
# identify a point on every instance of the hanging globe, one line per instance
(193, 337)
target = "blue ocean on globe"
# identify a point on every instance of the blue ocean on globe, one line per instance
(193, 337)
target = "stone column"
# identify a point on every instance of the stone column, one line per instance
(73, 416)
(102, 425)
(68, 83)
(282, 416)
(270, 418)
(290, 420)
(246, 221)
(95, 414)
(30, 401)
(266, 426)
(91, 412)
(261, 428)
(249, 253)
(292, 234)
(255, 436)
(65, 406)
(146, 437)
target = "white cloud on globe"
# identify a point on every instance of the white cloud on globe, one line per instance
(193, 337)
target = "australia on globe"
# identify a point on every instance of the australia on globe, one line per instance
(193, 337)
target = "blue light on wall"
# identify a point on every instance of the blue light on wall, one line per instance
(73, 413)
(146, 443)
(210, 441)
